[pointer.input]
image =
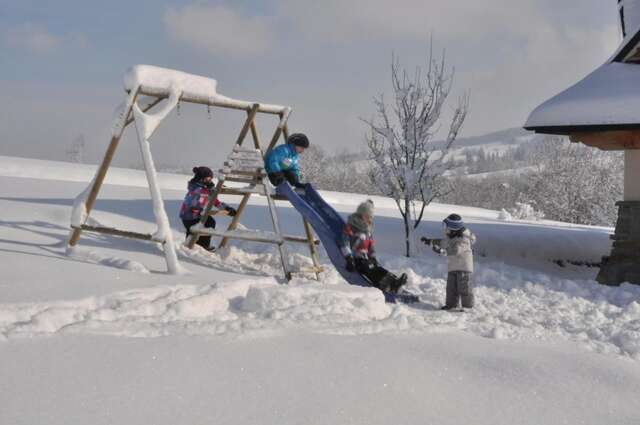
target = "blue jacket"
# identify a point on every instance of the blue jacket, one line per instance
(282, 158)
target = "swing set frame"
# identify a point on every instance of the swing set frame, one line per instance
(172, 94)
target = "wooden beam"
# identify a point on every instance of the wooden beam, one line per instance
(609, 140)
(218, 100)
(236, 219)
(102, 170)
(312, 246)
(115, 232)
(281, 125)
(251, 114)
(256, 137)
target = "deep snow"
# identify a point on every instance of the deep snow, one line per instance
(103, 335)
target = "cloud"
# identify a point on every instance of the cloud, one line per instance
(510, 54)
(220, 30)
(40, 41)
(408, 19)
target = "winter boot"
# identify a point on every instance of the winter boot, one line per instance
(397, 283)
(387, 283)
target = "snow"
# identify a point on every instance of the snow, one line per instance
(608, 96)
(146, 125)
(158, 81)
(104, 335)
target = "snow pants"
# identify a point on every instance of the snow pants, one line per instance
(281, 176)
(459, 288)
(203, 241)
(377, 275)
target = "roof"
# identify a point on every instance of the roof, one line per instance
(607, 99)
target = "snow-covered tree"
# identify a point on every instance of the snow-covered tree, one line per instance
(408, 162)
(575, 183)
(75, 153)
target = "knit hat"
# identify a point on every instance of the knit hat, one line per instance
(200, 173)
(454, 222)
(365, 208)
(298, 139)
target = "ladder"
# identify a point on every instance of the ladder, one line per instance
(246, 165)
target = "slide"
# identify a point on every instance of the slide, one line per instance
(326, 222)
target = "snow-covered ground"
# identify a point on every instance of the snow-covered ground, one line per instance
(103, 335)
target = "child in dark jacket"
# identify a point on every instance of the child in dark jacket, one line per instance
(281, 163)
(358, 247)
(457, 247)
(195, 201)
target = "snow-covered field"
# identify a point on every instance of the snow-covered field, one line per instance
(103, 335)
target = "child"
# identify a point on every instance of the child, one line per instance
(196, 200)
(359, 251)
(281, 163)
(457, 247)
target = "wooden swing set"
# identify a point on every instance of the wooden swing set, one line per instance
(244, 165)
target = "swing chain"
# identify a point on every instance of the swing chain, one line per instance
(209, 111)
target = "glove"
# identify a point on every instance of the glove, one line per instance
(350, 264)
(426, 241)
(230, 211)
(300, 185)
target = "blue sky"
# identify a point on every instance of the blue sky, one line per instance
(62, 62)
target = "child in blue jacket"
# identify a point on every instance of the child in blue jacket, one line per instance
(195, 201)
(281, 163)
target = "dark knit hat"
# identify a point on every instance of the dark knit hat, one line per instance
(298, 139)
(454, 222)
(200, 173)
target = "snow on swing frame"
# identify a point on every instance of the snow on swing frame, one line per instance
(174, 86)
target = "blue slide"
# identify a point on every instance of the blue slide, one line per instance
(327, 223)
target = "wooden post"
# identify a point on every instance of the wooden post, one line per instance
(276, 135)
(236, 219)
(256, 138)
(248, 123)
(312, 247)
(104, 166)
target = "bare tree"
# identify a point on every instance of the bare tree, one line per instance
(75, 153)
(409, 163)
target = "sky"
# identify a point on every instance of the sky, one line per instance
(62, 63)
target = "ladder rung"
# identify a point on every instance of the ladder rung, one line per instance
(258, 163)
(242, 190)
(256, 172)
(261, 236)
(246, 156)
(116, 232)
(231, 178)
(237, 148)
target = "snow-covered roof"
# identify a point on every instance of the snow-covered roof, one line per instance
(608, 98)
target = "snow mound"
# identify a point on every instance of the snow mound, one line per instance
(233, 308)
